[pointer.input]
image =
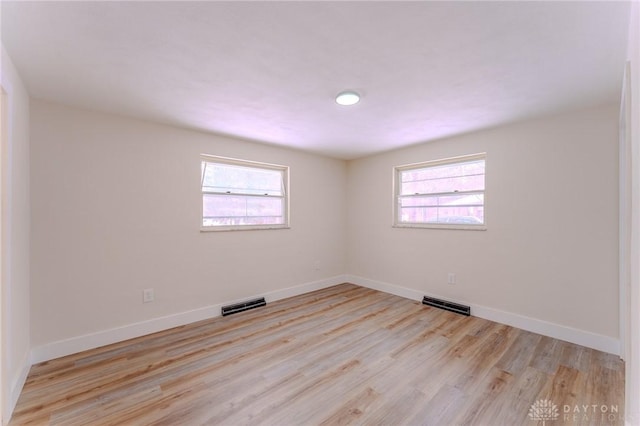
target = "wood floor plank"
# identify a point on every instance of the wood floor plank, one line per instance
(519, 355)
(517, 398)
(351, 411)
(336, 356)
(442, 408)
(486, 408)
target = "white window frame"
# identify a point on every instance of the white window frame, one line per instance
(445, 161)
(244, 163)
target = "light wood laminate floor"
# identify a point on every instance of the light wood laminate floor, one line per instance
(341, 355)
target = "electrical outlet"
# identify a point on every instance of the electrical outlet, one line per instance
(316, 265)
(147, 295)
(451, 279)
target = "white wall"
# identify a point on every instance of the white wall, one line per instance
(116, 208)
(632, 370)
(15, 239)
(550, 252)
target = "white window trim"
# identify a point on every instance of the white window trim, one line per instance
(247, 163)
(451, 160)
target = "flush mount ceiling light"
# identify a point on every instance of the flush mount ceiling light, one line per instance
(347, 98)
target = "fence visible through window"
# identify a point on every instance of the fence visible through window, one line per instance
(442, 192)
(238, 194)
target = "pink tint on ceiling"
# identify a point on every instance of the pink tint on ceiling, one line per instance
(269, 71)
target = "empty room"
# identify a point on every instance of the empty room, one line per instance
(320, 213)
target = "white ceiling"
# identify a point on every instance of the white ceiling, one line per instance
(268, 71)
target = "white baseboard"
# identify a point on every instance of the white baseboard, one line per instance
(557, 331)
(17, 383)
(304, 288)
(114, 335)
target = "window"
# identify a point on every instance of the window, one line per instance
(445, 193)
(238, 194)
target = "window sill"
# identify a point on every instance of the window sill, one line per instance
(442, 226)
(242, 228)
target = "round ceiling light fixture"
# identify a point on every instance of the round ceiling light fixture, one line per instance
(347, 98)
